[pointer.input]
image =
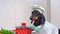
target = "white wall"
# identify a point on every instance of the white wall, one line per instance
(55, 12)
(13, 12)
(7, 14)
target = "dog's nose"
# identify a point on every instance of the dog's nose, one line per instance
(31, 18)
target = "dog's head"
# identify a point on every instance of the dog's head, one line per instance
(41, 17)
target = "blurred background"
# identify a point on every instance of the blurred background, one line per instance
(14, 12)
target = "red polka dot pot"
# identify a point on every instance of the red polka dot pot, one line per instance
(23, 30)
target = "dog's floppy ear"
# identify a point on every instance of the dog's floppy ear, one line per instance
(42, 18)
(31, 20)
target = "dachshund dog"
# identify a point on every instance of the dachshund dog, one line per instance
(40, 20)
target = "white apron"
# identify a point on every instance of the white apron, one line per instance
(47, 29)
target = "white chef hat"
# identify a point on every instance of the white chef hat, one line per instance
(39, 8)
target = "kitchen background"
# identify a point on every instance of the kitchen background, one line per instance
(14, 12)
